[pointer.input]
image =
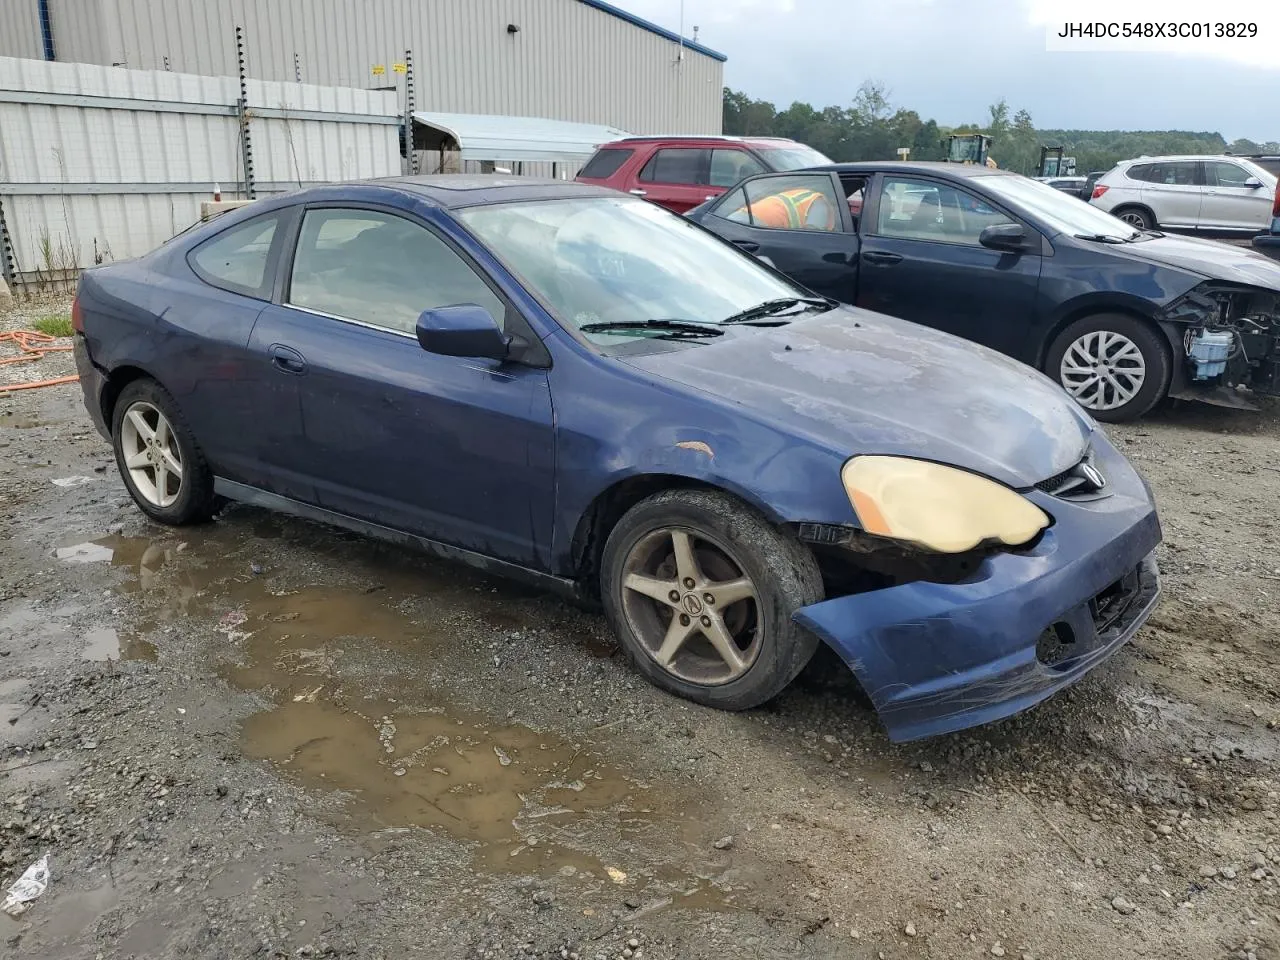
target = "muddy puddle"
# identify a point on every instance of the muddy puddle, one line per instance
(357, 715)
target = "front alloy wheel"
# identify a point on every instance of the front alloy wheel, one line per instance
(700, 589)
(692, 607)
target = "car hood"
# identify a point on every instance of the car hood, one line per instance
(862, 382)
(1208, 258)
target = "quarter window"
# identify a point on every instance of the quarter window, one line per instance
(237, 258)
(921, 210)
(380, 269)
(605, 163)
(677, 165)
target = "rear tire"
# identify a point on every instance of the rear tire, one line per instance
(1115, 366)
(159, 460)
(1137, 217)
(700, 589)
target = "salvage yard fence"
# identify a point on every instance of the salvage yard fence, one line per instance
(103, 163)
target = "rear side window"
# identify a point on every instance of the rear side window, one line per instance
(605, 163)
(733, 166)
(237, 259)
(678, 165)
(1140, 171)
(1180, 173)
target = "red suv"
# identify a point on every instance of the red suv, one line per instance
(680, 173)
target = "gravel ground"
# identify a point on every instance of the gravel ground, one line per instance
(265, 738)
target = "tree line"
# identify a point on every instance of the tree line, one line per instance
(872, 128)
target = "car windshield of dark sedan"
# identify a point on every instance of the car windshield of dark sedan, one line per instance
(1060, 211)
(792, 157)
(625, 263)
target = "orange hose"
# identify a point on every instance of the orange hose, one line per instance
(32, 345)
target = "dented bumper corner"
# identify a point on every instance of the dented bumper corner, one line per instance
(935, 657)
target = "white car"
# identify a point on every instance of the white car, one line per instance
(1210, 194)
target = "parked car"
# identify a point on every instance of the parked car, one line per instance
(1120, 317)
(1218, 195)
(575, 387)
(1069, 185)
(680, 173)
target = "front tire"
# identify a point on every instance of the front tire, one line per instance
(159, 460)
(1115, 366)
(700, 589)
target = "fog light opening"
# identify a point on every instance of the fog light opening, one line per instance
(1057, 644)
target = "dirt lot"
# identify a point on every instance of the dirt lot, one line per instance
(266, 738)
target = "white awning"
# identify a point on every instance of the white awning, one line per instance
(482, 136)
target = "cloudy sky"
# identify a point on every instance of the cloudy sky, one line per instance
(948, 59)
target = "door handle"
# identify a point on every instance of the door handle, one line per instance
(286, 359)
(748, 245)
(879, 256)
(638, 193)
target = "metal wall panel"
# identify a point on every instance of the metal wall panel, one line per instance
(568, 61)
(77, 31)
(20, 29)
(89, 180)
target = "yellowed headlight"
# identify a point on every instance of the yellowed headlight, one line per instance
(938, 507)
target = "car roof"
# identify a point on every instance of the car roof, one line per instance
(918, 166)
(698, 139)
(1184, 156)
(450, 190)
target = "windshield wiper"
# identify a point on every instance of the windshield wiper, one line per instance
(773, 307)
(671, 328)
(1101, 238)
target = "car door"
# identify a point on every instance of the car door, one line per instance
(676, 177)
(1174, 191)
(214, 375)
(1229, 203)
(451, 448)
(800, 223)
(921, 260)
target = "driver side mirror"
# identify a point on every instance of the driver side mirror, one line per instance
(1253, 183)
(1004, 236)
(463, 330)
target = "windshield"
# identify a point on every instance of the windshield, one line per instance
(1059, 211)
(794, 156)
(610, 260)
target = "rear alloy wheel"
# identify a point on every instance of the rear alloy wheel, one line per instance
(1136, 217)
(700, 590)
(158, 459)
(1115, 366)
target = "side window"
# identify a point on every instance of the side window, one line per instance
(677, 165)
(1223, 174)
(237, 259)
(1180, 173)
(920, 210)
(733, 166)
(380, 269)
(1140, 171)
(605, 163)
(734, 207)
(802, 202)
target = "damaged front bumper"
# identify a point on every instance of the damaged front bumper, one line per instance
(939, 657)
(1229, 340)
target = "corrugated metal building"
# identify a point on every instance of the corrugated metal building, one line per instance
(581, 60)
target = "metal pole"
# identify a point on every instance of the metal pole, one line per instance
(242, 111)
(8, 262)
(409, 107)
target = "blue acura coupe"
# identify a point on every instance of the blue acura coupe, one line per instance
(568, 385)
